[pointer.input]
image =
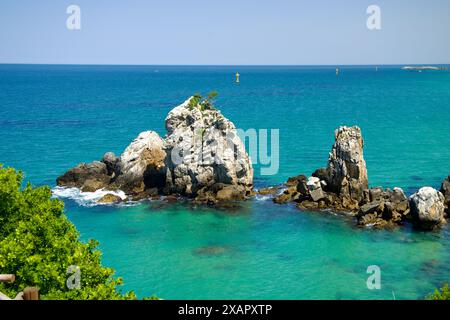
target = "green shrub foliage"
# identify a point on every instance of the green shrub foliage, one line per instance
(440, 294)
(38, 244)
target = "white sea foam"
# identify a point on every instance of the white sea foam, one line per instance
(87, 199)
(260, 197)
(265, 197)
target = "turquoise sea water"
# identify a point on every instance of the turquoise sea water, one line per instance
(53, 117)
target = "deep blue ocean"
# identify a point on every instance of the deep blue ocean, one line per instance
(53, 117)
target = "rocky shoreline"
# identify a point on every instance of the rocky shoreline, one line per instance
(343, 187)
(203, 159)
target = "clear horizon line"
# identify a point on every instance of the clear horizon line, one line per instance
(225, 65)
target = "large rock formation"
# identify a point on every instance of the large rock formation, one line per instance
(201, 157)
(347, 173)
(343, 186)
(427, 208)
(204, 149)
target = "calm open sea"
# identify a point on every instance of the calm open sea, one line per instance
(53, 117)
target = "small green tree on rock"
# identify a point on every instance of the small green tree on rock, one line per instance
(203, 103)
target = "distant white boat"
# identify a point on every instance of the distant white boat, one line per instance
(420, 69)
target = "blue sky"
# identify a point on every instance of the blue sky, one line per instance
(225, 32)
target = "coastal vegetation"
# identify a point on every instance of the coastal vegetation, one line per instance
(440, 294)
(203, 103)
(38, 244)
(195, 100)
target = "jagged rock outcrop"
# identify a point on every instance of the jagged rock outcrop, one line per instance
(347, 173)
(201, 157)
(112, 164)
(86, 176)
(139, 168)
(384, 208)
(343, 186)
(343, 183)
(204, 150)
(427, 208)
(142, 164)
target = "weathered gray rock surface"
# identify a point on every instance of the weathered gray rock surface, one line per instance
(427, 208)
(142, 164)
(205, 150)
(347, 173)
(201, 157)
(343, 186)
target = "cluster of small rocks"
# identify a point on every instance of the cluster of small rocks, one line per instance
(384, 207)
(343, 187)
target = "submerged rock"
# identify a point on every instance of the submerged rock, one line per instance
(268, 191)
(211, 250)
(427, 208)
(109, 198)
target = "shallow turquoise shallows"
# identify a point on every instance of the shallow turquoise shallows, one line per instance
(53, 117)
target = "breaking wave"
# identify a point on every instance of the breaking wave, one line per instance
(87, 199)
(270, 196)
